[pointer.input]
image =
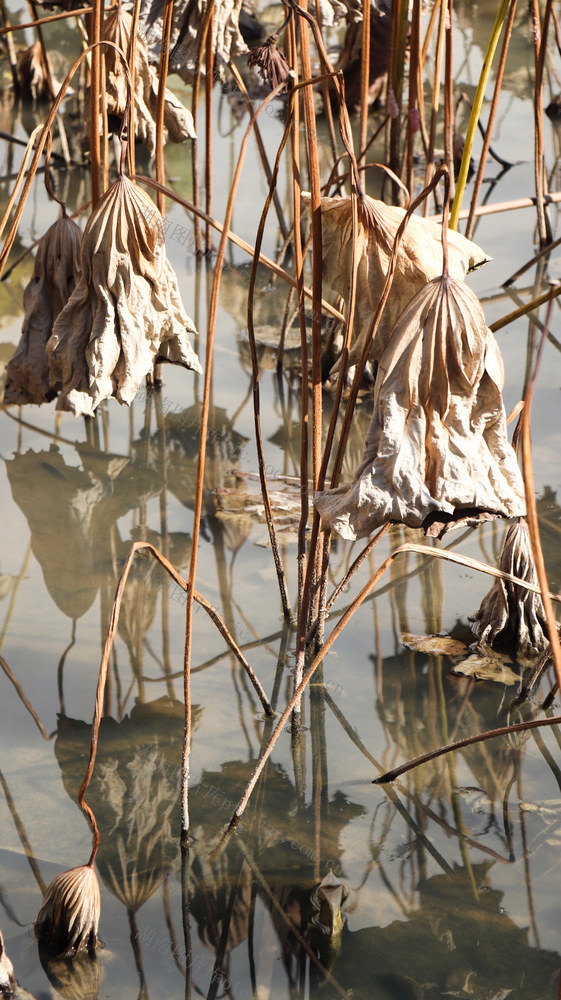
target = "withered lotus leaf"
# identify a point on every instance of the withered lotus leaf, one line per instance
(419, 260)
(178, 120)
(126, 310)
(55, 272)
(35, 78)
(436, 452)
(69, 916)
(188, 18)
(510, 614)
(7, 980)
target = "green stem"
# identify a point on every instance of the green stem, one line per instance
(476, 111)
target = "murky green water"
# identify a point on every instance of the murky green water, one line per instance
(451, 878)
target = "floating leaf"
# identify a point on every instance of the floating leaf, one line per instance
(486, 666)
(126, 310)
(433, 644)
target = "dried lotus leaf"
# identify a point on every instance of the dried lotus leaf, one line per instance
(486, 666)
(126, 310)
(55, 272)
(510, 614)
(437, 449)
(188, 17)
(433, 644)
(419, 260)
(7, 979)
(178, 120)
(35, 78)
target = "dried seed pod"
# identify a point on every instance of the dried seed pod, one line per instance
(125, 312)
(509, 614)
(436, 453)
(55, 272)
(419, 260)
(69, 915)
(271, 64)
(7, 979)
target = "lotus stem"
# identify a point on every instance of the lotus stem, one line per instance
(476, 111)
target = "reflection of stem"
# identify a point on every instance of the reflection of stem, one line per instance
(22, 835)
(13, 596)
(171, 928)
(526, 856)
(272, 896)
(185, 870)
(23, 698)
(137, 952)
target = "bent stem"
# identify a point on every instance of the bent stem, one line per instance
(336, 632)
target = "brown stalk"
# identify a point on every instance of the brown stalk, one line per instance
(12, 55)
(23, 698)
(435, 104)
(364, 79)
(211, 325)
(262, 151)
(44, 54)
(468, 741)
(237, 240)
(201, 42)
(41, 145)
(160, 103)
(449, 96)
(45, 20)
(414, 100)
(209, 81)
(540, 41)
(131, 56)
(491, 120)
(315, 209)
(523, 310)
(532, 513)
(95, 89)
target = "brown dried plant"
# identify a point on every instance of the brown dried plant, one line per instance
(419, 260)
(510, 614)
(436, 453)
(178, 120)
(55, 273)
(34, 77)
(69, 916)
(125, 313)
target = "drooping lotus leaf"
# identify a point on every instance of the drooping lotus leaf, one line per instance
(178, 120)
(436, 452)
(510, 614)
(55, 272)
(419, 260)
(188, 17)
(125, 312)
(34, 77)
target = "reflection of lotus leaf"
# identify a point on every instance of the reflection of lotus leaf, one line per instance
(134, 793)
(452, 941)
(70, 512)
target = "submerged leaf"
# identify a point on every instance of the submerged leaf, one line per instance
(419, 260)
(436, 452)
(57, 264)
(511, 614)
(126, 310)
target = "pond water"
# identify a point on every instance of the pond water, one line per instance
(450, 877)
